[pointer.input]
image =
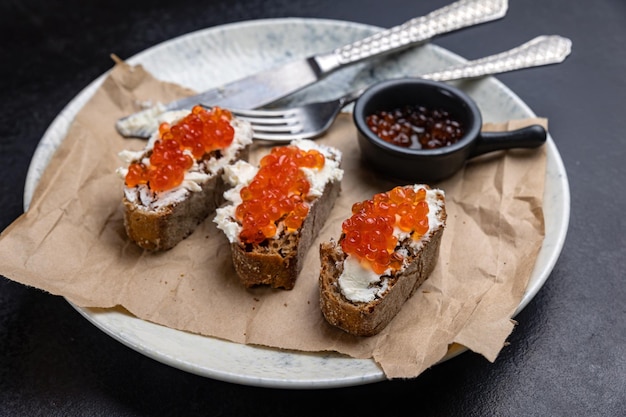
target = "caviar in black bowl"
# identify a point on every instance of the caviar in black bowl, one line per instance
(424, 131)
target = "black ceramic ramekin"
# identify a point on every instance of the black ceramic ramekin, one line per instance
(431, 165)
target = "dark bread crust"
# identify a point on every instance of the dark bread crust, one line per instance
(164, 228)
(368, 319)
(278, 262)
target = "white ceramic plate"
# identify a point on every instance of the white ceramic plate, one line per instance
(213, 56)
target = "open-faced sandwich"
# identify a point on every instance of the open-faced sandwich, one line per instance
(277, 208)
(387, 249)
(176, 181)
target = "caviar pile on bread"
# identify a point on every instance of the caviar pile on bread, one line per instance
(175, 182)
(387, 249)
(276, 209)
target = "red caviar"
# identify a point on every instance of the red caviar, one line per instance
(416, 127)
(277, 192)
(200, 132)
(368, 234)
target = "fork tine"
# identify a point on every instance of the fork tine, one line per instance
(292, 128)
(264, 113)
(280, 125)
(291, 120)
(283, 137)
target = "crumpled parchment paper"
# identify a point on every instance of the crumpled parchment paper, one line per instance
(71, 242)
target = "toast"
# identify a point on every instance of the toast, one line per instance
(361, 296)
(271, 252)
(159, 211)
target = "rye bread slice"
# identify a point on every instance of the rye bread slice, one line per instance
(369, 318)
(278, 262)
(154, 222)
(163, 228)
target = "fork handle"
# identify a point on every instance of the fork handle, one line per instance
(458, 15)
(542, 50)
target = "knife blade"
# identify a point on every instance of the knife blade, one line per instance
(270, 85)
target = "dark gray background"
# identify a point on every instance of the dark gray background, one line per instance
(566, 357)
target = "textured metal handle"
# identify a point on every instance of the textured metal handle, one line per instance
(542, 50)
(455, 16)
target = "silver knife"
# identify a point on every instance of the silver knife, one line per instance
(270, 85)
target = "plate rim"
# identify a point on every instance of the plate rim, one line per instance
(62, 121)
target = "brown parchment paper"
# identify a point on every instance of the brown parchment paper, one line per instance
(71, 242)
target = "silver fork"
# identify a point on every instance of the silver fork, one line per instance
(314, 119)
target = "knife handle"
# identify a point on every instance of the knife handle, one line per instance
(458, 15)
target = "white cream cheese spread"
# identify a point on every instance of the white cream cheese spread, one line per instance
(148, 120)
(241, 173)
(359, 283)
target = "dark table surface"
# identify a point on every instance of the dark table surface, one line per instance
(566, 357)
